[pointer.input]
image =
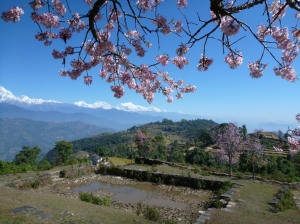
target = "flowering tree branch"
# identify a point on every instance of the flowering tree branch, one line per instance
(114, 29)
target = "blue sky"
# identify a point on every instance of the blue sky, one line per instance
(28, 68)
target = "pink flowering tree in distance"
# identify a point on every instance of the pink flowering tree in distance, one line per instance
(229, 141)
(293, 142)
(113, 31)
(144, 142)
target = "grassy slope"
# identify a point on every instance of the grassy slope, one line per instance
(254, 209)
(52, 204)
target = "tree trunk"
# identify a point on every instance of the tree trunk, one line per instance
(253, 170)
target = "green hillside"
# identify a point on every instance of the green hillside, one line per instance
(183, 132)
(16, 133)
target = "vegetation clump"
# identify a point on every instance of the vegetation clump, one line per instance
(286, 201)
(89, 197)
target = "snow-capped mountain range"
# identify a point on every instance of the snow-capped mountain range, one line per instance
(8, 97)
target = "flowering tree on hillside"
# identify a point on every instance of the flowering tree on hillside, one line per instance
(112, 30)
(144, 142)
(293, 142)
(229, 141)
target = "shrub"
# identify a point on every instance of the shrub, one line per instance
(44, 165)
(218, 204)
(89, 197)
(86, 197)
(36, 184)
(139, 208)
(62, 173)
(286, 201)
(151, 213)
(225, 186)
(205, 173)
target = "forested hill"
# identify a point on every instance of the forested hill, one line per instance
(184, 131)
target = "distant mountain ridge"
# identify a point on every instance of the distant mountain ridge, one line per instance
(8, 97)
(19, 132)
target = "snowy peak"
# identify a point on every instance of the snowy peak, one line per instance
(5, 94)
(98, 104)
(7, 97)
(132, 107)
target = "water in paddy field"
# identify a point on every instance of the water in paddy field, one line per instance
(147, 194)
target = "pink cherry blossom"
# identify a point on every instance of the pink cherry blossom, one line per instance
(37, 4)
(234, 59)
(277, 9)
(118, 90)
(132, 33)
(183, 49)
(180, 62)
(109, 26)
(89, 2)
(63, 72)
(228, 26)
(294, 143)
(286, 72)
(60, 8)
(178, 26)
(204, 63)
(145, 5)
(49, 20)
(76, 23)
(88, 80)
(256, 69)
(65, 34)
(13, 14)
(163, 59)
(182, 3)
(262, 32)
(296, 33)
(170, 99)
(56, 54)
(178, 96)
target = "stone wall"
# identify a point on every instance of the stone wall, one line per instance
(162, 178)
(32, 182)
(80, 171)
(151, 162)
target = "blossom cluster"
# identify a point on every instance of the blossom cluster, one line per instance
(60, 8)
(13, 14)
(294, 143)
(204, 63)
(234, 59)
(145, 5)
(49, 20)
(46, 37)
(256, 69)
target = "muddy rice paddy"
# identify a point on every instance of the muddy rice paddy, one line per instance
(180, 204)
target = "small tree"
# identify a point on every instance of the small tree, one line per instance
(206, 138)
(243, 131)
(229, 140)
(64, 150)
(254, 148)
(27, 156)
